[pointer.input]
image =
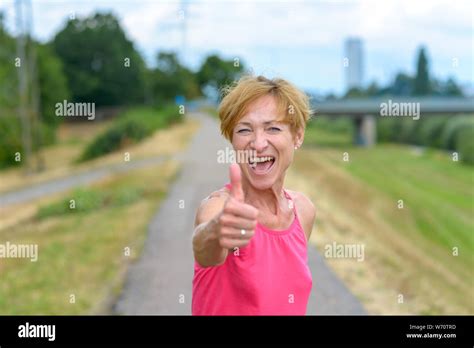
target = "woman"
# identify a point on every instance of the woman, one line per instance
(250, 237)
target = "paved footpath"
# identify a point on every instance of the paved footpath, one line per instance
(160, 281)
(86, 177)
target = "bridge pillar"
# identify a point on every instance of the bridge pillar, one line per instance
(365, 130)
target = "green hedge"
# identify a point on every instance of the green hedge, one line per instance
(133, 126)
(387, 129)
(431, 130)
(408, 133)
(435, 131)
(465, 144)
(331, 124)
(453, 133)
(398, 130)
(451, 130)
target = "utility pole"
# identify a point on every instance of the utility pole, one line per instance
(23, 85)
(34, 89)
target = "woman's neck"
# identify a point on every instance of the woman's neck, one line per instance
(269, 200)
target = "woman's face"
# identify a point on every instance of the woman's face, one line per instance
(260, 133)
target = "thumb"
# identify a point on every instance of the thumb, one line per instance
(236, 190)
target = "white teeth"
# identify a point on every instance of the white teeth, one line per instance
(260, 159)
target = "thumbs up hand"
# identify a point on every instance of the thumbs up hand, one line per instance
(237, 221)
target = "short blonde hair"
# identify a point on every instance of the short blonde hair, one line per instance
(292, 103)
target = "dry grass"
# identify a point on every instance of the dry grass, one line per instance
(14, 214)
(163, 143)
(82, 253)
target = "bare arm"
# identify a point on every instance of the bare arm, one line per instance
(206, 246)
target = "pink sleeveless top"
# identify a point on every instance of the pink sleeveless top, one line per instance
(269, 276)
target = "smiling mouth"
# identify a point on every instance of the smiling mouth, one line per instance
(261, 165)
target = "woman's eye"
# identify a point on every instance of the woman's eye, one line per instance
(243, 130)
(275, 129)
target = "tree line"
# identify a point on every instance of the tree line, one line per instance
(91, 59)
(404, 85)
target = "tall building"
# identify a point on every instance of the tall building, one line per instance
(354, 63)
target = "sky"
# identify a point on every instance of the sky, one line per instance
(302, 41)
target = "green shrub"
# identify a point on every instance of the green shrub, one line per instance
(135, 125)
(465, 144)
(398, 130)
(414, 131)
(409, 130)
(10, 140)
(431, 130)
(84, 200)
(332, 124)
(88, 200)
(387, 129)
(115, 137)
(452, 128)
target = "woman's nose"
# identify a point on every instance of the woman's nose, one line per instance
(259, 142)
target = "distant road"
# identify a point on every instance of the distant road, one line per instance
(63, 184)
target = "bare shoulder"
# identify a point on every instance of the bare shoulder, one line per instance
(210, 206)
(305, 209)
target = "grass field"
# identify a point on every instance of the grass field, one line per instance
(83, 252)
(409, 251)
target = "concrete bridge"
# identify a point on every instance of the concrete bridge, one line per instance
(365, 111)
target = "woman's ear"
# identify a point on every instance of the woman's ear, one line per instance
(299, 137)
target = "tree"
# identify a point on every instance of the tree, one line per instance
(171, 79)
(47, 76)
(421, 85)
(403, 85)
(216, 72)
(373, 89)
(101, 63)
(53, 87)
(8, 73)
(356, 92)
(451, 88)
